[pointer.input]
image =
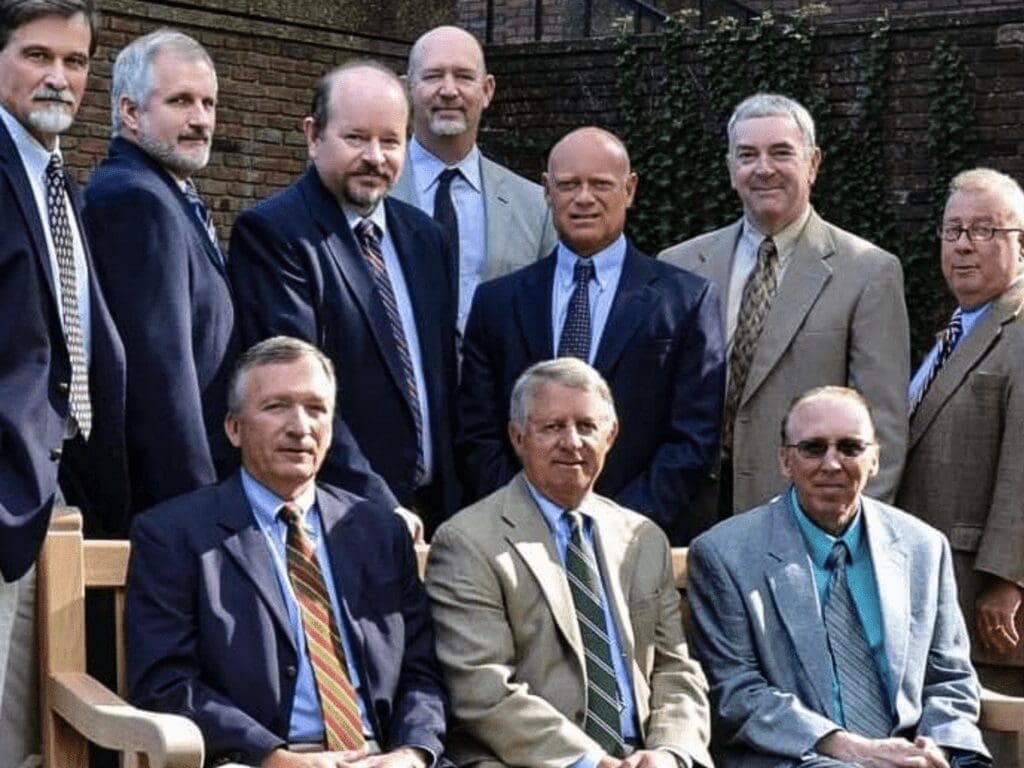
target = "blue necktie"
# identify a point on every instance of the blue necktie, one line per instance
(575, 339)
(444, 209)
(203, 214)
(951, 336)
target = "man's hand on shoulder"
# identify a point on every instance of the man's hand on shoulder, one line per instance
(414, 523)
(882, 753)
(405, 757)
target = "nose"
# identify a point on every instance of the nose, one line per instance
(584, 194)
(831, 460)
(373, 152)
(570, 437)
(448, 85)
(763, 165)
(56, 75)
(299, 421)
(202, 115)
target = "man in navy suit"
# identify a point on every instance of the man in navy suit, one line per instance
(161, 268)
(233, 588)
(368, 279)
(61, 362)
(653, 333)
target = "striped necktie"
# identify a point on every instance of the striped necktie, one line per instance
(575, 339)
(343, 725)
(203, 214)
(951, 335)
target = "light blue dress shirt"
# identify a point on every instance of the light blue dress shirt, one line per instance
(467, 193)
(968, 318)
(405, 312)
(607, 271)
(860, 577)
(307, 722)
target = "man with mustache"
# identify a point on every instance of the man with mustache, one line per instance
(368, 279)
(61, 361)
(161, 267)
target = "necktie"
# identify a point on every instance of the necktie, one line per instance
(369, 240)
(63, 246)
(343, 724)
(444, 209)
(865, 705)
(575, 339)
(950, 338)
(203, 214)
(603, 705)
(758, 294)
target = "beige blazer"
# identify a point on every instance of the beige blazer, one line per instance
(965, 464)
(509, 643)
(839, 318)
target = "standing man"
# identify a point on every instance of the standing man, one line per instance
(804, 304)
(653, 331)
(365, 278)
(61, 362)
(558, 625)
(161, 267)
(496, 220)
(827, 621)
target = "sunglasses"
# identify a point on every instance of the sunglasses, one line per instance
(850, 447)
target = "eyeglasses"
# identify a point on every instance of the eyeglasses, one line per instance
(850, 447)
(976, 233)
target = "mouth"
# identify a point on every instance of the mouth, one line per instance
(194, 139)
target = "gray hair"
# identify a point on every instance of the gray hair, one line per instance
(320, 109)
(132, 77)
(772, 105)
(272, 351)
(569, 372)
(830, 390)
(17, 13)
(990, 180)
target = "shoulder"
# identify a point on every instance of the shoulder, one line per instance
(478, 527)
(848, 245)
(506, 284)
(630, 526)
(186, 517)
(517, 185)
(682, 253)
(120, 183)
(905, 526)
(667, 273)
(282, 207)
(741, 538)
(410, 215)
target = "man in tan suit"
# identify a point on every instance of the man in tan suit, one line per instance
(965, 465)
(805, 304)
(558, 626)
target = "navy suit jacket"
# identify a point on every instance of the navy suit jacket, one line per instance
(170, 299)
(35, 375)
(297, 270)
(208, 634)
(662, 354)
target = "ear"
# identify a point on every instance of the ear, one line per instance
(631, 182)
(233, 429)
(515, 436)
(613, 433)
(815, 164)
(489, 86)
(784, 462)
(312, 140)
(129, 113)
(544, 183)
(875, 451)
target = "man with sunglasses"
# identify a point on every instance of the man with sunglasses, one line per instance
(965, 465)
(827, 621)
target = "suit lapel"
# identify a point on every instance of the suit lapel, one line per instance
(611, 541)
(405, 186)
(532, 306)
(632, 304)
(346, 562)
(714, 263)
(498, 213)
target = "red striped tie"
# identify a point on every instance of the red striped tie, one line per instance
(342, 722)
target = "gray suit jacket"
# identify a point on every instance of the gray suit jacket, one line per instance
(761, 638)
(509, 642)
(839, 318)
(965, 465)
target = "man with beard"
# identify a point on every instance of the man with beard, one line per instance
(365, 278)
(161, 267)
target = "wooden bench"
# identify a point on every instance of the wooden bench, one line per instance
(76, 709)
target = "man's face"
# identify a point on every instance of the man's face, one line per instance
(564, 443)
(589, 187)
(770, 171)
(43, 69)
(449, 88)
(979, 271)
(360, 152)
(175, 125)
(829, 487)
(284, 425)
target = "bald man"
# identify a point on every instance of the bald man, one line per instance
(652, 330)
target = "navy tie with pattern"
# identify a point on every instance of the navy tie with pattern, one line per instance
(575, 339)
(444, 209)
(203, 214)
(950, 338)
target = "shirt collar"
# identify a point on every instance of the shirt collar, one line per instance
(377, 216)
(552, 513)
(430, 167)
(33, 154)
(607, 263)
(785, 239)
(266, 504)
(818, 541)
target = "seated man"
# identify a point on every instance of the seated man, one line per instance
(558, 623)
(285, 618)
(828, 621)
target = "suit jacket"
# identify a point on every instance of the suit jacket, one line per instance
(297, 270)
(662, 355)
(965, 465)
(761, 638)
(208, 634)
(519, 229)
(509, 643)
(169, 295)
(838, 318)
(35, 376)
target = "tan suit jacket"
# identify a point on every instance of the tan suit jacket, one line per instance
(509, 642)
(839, 318)
(965, 465)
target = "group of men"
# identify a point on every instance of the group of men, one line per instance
(453, 335)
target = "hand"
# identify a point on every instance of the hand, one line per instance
(882, 753)
(651, 758)
(995, 615)
(282, 758)
(413, 523)
(404, 757)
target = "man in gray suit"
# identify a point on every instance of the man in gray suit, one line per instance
(827, 622)
(804, 303)
(497, 220)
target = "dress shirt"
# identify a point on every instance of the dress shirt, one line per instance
(467, 191)
(408, 317)
(860, 577)
(607, 270)
(968, 319)
(745, 261)
(35, 157)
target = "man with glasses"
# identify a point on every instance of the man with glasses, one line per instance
(965, 465)
(827, 621)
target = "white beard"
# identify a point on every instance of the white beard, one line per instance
(51, 120)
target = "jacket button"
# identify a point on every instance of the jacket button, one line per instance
(55, 454)
(63, 387)
(291, 671)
